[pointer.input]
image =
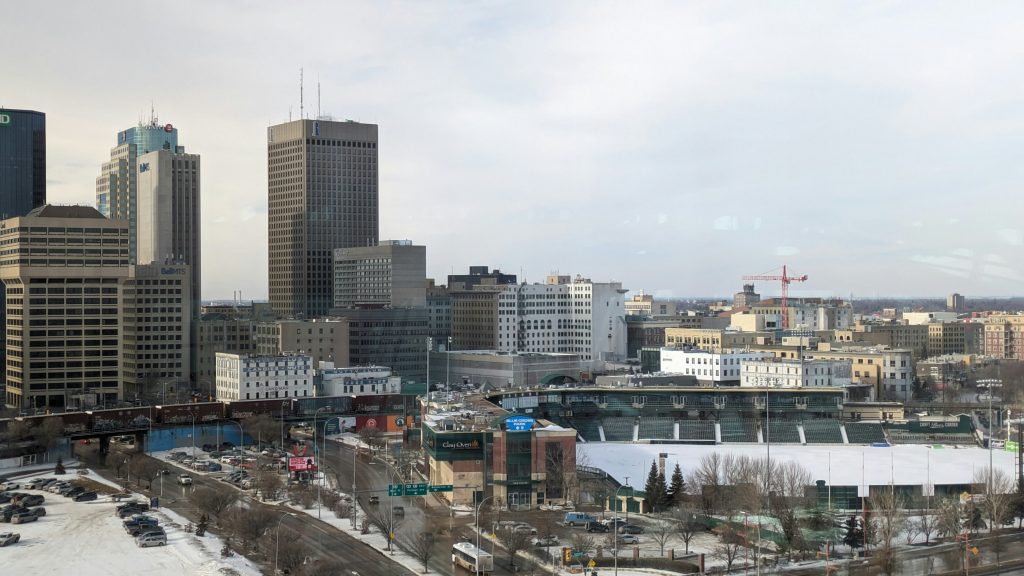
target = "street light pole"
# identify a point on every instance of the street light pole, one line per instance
(323, 457)
(193, 415)
(448, 371)
(318, 460)
(283, 404)
(277, 540)
(615, 523)
(478, 506)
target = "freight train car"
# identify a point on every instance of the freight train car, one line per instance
(184, 413)
(120, 417)
(238, 409)
(325, 404)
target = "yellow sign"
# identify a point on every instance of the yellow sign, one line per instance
(391, 535)
(591, 564)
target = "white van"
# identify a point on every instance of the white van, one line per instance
(147, 540)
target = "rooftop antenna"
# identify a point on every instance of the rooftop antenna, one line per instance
(317, 96)
(302, 105)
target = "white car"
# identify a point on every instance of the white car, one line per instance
(7, 538)
(10, 486)
(185, 480)
(629, 539)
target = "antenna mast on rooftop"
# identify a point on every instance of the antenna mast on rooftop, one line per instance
(318, 97)
(302, 107)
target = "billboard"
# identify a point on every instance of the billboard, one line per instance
(519, 423)
(301, 464)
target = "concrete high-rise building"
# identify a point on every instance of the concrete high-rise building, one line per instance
(323, 194)
(479, 275)
(22, 161)
(117, 184)
(157, 345)
(955, 302)
(221, 333)
(323, 339)
(746, 298)
(64, 306)
(392, 274)
(168, 218)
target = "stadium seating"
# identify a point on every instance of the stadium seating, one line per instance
(736, 429)
(864, 432)
(618, 429)
(587, 429)
(656, 427)
(823, 431)
(696, 430)
(781, 432)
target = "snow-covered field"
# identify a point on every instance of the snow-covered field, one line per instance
(838, 465)
(86, 539)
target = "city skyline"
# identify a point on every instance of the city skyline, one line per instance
(674, 150)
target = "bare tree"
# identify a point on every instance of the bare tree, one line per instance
(144, 468)
(269, 484)
(382, 518)
(888, 521)
(926, 525)
(514, 541)
(661, 531)
(17, 430)
(262, 428)
(419, 544)
(687, 525)
(215, 501)
(999, 501)
(289, 554)
(708, 478)
(372, 437)
(950, 517)
(303, 496)
(582, 542)
(49, 431)
(728, 547)
(249, 525)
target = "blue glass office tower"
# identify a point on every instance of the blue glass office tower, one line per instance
(22, 161)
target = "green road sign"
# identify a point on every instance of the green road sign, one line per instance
(394, 489)
(1011, 446)
(441, 488)
(416, 489)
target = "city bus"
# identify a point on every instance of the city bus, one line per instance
(472, 558)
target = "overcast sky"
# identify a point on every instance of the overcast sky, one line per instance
(674, 147)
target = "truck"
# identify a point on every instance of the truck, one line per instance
(184, 480)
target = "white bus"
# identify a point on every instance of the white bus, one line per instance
(472, 558)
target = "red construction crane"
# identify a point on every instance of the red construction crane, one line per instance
(785, 279)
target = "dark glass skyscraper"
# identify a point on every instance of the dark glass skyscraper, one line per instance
(22, 161)
(322, 184)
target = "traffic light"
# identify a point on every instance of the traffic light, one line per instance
(566, 555)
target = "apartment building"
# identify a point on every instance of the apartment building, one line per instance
(255, 377)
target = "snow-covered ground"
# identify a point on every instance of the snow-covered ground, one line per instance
(86, 539)
(837, 465)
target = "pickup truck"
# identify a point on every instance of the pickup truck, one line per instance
(7, 538)
(185, 480)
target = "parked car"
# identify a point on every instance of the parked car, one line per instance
(139, 519)
(5, 498)
(184, 480)
(631, 529)
(629, 539)
(597, 527)
(10, 486)
(133, 510)
(135, 531)
(85, 496)
(8, 538)
(74, 491)
(39, 511)
(615, 522)
(151, 530)
(549, 540)
(151, 540)
(8, 514)
(31, 500)
(23, 518)
(578, 519)
(399, 511)
(524, 528)
(374, 500)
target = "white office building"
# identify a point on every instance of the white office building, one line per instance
(564, 315)
(358, 380)
(712, 367)
(796, 373)
(245, 377)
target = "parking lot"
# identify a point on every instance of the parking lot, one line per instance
(88, 539)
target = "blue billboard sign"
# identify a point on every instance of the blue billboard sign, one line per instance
(519, 423)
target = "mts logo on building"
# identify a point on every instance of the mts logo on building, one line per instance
(5, 119)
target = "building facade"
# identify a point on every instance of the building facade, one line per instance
(22, 161)
(646, 305)
(479, 275)
(504, 369)
(391, 274)
(776, 373)
(1004, 337)
(714, 339)
(746, 298)
(117, 184)
(64, 269)
(323, 195)
(392, 337)
(245, 377)
(221, 333)
(357, 381)
(157, 330)
(722, 367)
(323, 339)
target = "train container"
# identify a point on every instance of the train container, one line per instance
(325, 404)
(120, 417)
(184, 413)
(274, 407)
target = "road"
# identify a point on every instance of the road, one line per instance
(324, 541)
(422, 513)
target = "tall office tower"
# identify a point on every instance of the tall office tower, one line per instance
(116, 186)
(322, 187)
(63, 297)
(22, 161)
(156, 335)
